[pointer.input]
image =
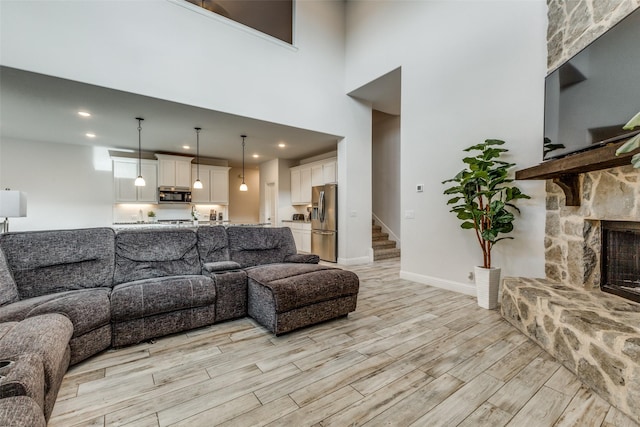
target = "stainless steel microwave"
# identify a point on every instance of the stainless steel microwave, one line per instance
(174, 195)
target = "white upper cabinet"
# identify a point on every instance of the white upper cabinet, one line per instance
(295, 186)
(215, 184)
(300, 185)
(174, 171)
(125, 171)
(329, 172)
(317, 176)
(304, 177)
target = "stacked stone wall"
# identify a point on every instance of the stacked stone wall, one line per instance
(572, 240)
(573, 24)
(596, 335)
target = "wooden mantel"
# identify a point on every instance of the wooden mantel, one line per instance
(565, 171)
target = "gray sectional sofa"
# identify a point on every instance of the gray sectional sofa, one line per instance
(66, 295)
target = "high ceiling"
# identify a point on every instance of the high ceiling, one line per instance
(35, 107)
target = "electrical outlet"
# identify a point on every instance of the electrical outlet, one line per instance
(419, 188)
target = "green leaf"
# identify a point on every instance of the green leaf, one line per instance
(494, 142)
(629, 146)
(634, 122)
(453, 200)
(468, 225)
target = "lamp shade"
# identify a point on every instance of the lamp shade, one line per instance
(13, 204)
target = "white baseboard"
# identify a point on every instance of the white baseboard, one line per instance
(385, 229)
(355, 261)
(449, 285)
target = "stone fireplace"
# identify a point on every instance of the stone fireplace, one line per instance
(573, 240)
(593, 333)
(620, 259)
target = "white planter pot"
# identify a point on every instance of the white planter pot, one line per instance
(487, 286)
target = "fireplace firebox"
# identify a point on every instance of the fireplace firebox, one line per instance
(621, 259)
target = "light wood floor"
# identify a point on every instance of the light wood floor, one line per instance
(410, 355)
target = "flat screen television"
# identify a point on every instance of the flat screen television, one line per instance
(591, 96)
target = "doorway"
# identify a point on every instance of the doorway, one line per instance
(270, 204)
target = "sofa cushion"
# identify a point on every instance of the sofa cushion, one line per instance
(88, 309)
(8, 288)
(213, 267)
(46, 336)
(145, 254)
(298, 285)
(303, 258)
(148, 297)
(25, 377)
(46, 262)
(21, 411)
(251, 246)
(213, 244)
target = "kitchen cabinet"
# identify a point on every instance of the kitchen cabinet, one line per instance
(174, 171)
(301, 234)
(304, 177)
(125, 172)
(317, 175)
(300, 185)
(215, 183)
(329, 172)
(323, 173)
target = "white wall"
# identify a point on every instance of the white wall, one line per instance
(67, 186)
(276, 171)
(471, 70)
(206, 61)
(179, 52)
(385, 176)
(244, 206)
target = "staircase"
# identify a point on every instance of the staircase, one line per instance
(383, 248)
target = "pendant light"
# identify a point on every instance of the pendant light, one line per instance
(139, 182)
(197, 184)
(243, 186)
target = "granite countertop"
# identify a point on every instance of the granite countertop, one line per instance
(297, 220)
(186, 224)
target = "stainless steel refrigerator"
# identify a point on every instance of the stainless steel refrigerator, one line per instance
(324, 222)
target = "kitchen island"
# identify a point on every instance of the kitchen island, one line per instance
(185, 224)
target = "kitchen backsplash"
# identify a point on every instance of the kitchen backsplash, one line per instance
(139, 212)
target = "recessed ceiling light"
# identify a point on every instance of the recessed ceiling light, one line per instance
(282, 145)
(255, 156)
(186, 147)
(84, 114)
(90, 135)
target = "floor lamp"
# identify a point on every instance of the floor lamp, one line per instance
(13, 204)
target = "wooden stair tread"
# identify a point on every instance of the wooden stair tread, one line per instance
(383, 248)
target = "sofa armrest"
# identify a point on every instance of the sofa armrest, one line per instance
(24, 377)
(303, 258)
(213, 267)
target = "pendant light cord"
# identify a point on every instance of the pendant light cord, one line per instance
(139, 145)
(198, 153)
(243, 137)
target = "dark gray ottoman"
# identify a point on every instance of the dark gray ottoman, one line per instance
(284, 297)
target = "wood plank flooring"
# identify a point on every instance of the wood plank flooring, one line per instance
(410, 355)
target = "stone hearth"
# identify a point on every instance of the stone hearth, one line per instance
(594, 334)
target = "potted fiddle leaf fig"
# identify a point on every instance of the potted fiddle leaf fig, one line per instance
(633, 143)
(483, 199)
